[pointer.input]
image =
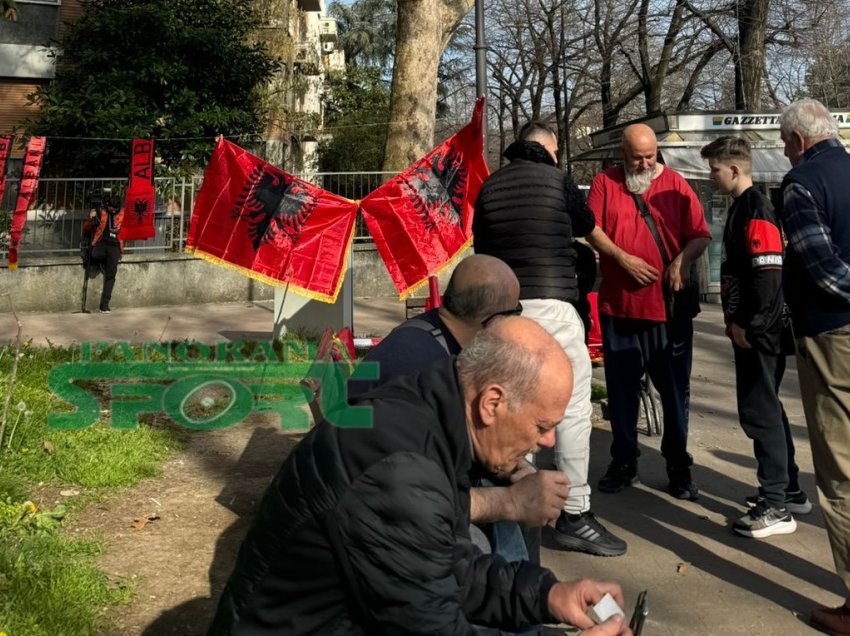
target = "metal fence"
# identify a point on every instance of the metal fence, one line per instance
(54, 224)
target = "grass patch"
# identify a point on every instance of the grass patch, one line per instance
(50, 586)
(598, 392)
(94, 457)
(49, 583)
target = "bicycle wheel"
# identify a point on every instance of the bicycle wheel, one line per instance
(650, 406)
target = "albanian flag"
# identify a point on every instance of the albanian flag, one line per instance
(26, 195)
(270, 225)
(422, 218)
(139, 198)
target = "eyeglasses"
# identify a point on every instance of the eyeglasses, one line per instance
(516, 311)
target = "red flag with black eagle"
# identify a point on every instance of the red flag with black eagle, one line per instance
(421, 219)
(27, 188)
(139, 198)
(5, 151)
(270, 225)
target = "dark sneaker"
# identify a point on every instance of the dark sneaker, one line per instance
(681, 485)
(105, 311)
(618, 477)
(796, 502)
(833, 620)
(764, 521)
(688, 491)
(584, 533)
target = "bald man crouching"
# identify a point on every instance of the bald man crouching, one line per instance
(366, 530)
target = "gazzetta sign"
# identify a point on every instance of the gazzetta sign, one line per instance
(200, 387)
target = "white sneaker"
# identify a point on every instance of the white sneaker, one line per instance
(763, 521)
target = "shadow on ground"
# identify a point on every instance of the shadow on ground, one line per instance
(246, 481)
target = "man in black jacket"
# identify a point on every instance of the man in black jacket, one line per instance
(528, 214)
(366, 530)
(480, 288)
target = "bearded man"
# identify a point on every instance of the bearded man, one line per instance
(649, 229)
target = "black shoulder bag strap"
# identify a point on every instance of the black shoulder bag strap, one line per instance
(424, 325)
(653, 229)
(691, 303)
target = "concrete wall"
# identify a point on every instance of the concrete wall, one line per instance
(371, 279)
(147, 280)
(141, 281)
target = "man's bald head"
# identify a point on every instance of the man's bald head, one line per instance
(639, 149)
(479, 287)
(639, 135)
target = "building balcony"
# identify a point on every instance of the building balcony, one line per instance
(307, 60)
(327, 30)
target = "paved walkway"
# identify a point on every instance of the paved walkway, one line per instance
(701, 578)
(205, 323)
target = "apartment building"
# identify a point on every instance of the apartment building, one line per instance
(25, 47)
(296, 30)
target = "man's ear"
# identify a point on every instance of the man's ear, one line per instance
(799, 141)
(490, 400)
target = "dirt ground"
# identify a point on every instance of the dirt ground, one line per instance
(177, 535)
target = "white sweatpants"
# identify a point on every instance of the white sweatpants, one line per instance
(572, 436)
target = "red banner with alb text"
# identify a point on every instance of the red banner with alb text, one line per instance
(140, 197)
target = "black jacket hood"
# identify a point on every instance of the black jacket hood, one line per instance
(530, 151)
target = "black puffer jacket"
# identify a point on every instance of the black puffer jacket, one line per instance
(366, 530)
(528, 213)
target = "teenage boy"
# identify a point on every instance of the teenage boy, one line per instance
(751, 292)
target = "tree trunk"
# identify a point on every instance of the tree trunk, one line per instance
(423, 29)
(752, 27)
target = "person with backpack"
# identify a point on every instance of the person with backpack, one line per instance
(103, 226)
(481, 289)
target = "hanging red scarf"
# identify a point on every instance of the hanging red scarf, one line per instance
(270, 225)
(140, 196)
(5, 150)
(26, 195)
(421, 219)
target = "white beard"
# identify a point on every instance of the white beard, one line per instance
(639, 182)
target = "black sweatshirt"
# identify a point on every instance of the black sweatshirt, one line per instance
(751, 270)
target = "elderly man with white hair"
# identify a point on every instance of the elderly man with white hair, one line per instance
(365, 530)
(816, 218)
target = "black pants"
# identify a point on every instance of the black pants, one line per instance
(107, 253)
(757, 379)
(665, 351)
